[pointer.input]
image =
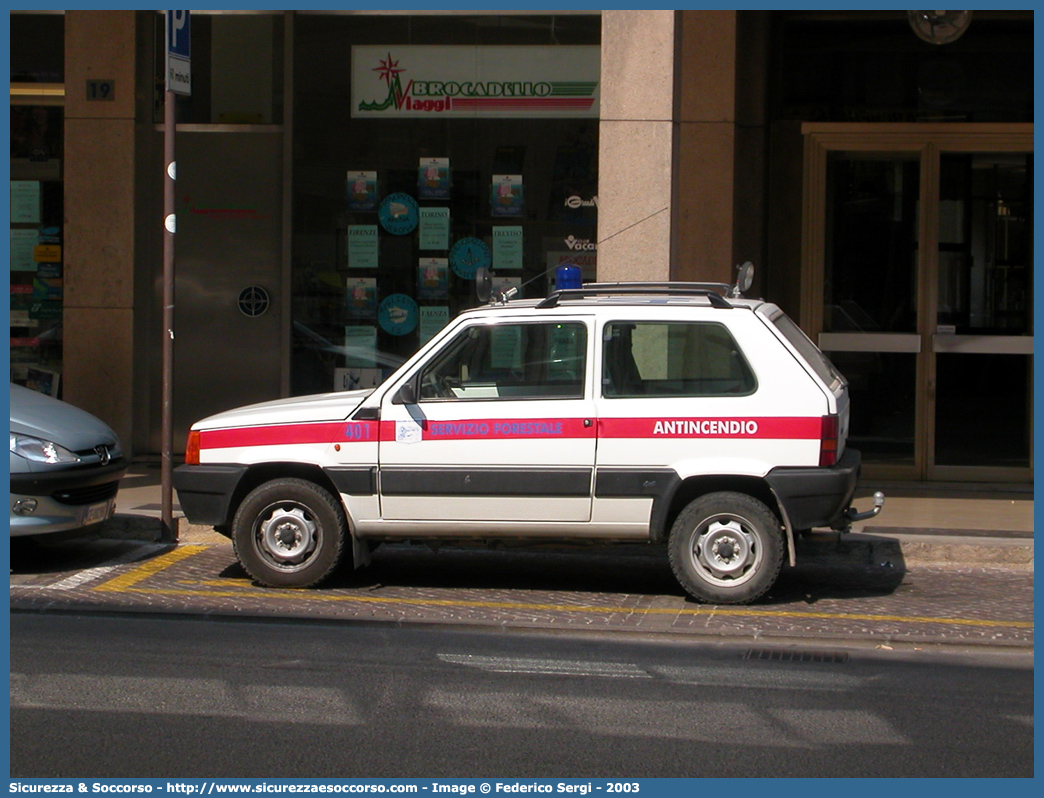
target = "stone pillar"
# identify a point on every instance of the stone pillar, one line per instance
(668, 146)
(704, 186)
(98, 235)
(635, 145)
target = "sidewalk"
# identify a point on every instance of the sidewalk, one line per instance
(922, 523)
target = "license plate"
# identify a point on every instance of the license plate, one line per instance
(97, 513)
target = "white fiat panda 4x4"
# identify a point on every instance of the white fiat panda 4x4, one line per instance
(662, 413)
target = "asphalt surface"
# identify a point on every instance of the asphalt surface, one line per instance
(154, 696)
(940, 566)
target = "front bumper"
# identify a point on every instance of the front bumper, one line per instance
(205, 491)
(44, 502)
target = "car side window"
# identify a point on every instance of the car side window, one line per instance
(673, 359)
(509, 361)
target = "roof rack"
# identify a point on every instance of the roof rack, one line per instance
(710, 290)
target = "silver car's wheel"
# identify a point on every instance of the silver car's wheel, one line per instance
(289, 533)
(726, 548)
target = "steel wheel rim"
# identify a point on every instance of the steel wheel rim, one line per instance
(287, 536)
(725, 550)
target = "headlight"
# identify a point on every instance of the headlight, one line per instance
(41, 451)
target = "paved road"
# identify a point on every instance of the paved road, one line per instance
(150, 696)
(843, 599)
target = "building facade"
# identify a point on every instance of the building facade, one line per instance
(342, 175)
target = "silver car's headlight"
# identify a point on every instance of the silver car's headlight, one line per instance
(40, 451)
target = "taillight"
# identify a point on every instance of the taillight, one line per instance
(192, 448)
(828, 433)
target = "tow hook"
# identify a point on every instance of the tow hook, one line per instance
(852, 514)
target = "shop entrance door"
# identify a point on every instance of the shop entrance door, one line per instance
(918, 275)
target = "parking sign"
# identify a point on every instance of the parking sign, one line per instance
(179, 53)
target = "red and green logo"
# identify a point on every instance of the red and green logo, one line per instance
(439, 96)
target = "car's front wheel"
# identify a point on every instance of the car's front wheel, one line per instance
(290, 533)
(726, 548)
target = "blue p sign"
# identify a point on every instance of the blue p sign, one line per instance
(178, 30)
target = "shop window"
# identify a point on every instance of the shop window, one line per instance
(237, 70)
(400, 195)
(36, 247)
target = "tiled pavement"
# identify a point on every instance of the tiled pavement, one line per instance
(926, 572)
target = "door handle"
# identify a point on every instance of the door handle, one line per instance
(588, 422)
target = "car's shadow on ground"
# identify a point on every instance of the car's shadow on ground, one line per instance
(75, 551)
(601, 570)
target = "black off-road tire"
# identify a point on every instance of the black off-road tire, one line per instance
(290, 533)
(726, 548)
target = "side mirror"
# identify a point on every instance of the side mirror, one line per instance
(406, 395)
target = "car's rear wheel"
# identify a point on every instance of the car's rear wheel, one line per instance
(726, 548)
(290, 533)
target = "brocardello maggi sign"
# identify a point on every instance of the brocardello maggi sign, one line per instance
(522, 82)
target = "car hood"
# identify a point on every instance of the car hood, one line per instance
(296, 409)
(34, 413)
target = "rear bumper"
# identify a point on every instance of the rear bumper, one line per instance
(817, 496)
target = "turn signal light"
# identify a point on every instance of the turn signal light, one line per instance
(192, 448)
(828, 441)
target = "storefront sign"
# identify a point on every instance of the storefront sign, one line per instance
(525, 81)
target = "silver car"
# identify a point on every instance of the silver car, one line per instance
(66, 465)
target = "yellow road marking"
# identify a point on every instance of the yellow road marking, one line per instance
(127, 584)
(126, 581)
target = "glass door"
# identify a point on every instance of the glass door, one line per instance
(982, 345)
(919, 285)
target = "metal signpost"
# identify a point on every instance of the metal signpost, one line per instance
(178, 81)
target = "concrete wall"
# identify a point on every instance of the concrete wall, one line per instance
(99, 217)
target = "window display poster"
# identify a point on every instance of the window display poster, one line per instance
(398, 214)
(501, 285)
(361, 297)
(362, 246)
(434, 228)
(353, 379)
(468, 255)
(507, 247)
(506, 195)
(25, 201)
(361, 191)
(398, 314)
(23, 242)
(433, 278)
(360, 346)
(47, 288)
(432, 319)
(433, 178)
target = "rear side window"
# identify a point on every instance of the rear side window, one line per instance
(819, 362)
(673, 359)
